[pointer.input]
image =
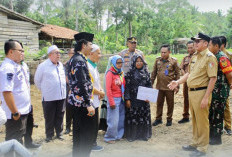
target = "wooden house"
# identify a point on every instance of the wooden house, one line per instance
(19, 27)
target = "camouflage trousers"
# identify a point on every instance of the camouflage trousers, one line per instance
(216, 116)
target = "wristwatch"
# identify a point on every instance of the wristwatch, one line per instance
(15, 114)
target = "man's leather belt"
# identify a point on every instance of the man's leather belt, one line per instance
(195, 89)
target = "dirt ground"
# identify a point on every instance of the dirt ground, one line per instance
(165, 141)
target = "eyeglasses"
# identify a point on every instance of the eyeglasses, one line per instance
(139, 61)
(19, 50)
(119, 62)
(58, 53)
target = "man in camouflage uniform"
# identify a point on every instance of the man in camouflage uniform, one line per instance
(127, 54)
(220, 92)
(227, 114)
(166, 69)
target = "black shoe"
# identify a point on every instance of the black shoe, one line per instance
(216, 140)
(60, 138)
(48, 139)
(67, 131)
(228, 131)
(157, 122)
(183, 120)
(197, 154)
(169, 123)
(189, 148)
(32, 145)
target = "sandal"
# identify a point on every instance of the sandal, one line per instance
(110, 142)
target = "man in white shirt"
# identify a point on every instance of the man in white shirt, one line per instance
(15, 94)
(98, 93)
(50, 80)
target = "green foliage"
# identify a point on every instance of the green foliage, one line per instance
(153, 22)
(2, 55)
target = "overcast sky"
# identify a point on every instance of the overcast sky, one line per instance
(212, 5)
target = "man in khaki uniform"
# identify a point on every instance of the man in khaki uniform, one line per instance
(184, 70)
(127, 54)
(227, 114)
(201, 79)
(166, 69)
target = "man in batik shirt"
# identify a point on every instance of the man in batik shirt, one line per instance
(80, 96)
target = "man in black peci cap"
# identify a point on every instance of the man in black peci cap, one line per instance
(80, 96)
(201, 78)
(128, 53)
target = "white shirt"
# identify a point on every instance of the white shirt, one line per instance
(2, 117)
(13, 79)
(50, 79)
(96, 83)
(26, 72)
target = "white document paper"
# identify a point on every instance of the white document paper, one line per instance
(145, 93)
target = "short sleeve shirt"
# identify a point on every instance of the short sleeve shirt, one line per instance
(126, 55)
(202, 67)
(13, 79)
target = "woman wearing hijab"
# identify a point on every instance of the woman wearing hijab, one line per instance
(138, 117)
(115, 84)
(103, 112)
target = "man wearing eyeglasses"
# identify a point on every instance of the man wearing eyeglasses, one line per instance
(201, 78)
(127, 54)
(15, 94)
(50, 80)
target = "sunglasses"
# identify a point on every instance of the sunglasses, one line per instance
(119, 62)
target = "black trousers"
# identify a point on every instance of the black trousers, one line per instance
(53, 115)
(29, 128)
(16, 129)
(69, 115)
(83, 132)
(96, 121)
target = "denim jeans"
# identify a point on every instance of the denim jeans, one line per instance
(115, 120)
(8, 148)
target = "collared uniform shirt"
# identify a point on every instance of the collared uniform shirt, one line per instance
(202, 66)
(96, 83)
(126, 55)
(185, 62)
(79, 81)
(13, 79)
(228, 54)
(165, 71)
(50, 79)
(222, 87)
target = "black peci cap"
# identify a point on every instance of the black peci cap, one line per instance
(84, 35)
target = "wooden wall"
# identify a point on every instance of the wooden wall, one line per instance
(23, 31)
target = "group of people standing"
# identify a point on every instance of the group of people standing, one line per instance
(76, 86)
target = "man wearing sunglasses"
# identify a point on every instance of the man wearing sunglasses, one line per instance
(50, 80)
(201, 78)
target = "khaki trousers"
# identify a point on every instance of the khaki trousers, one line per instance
(169, 95)
(227, 115)
(200, 120)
